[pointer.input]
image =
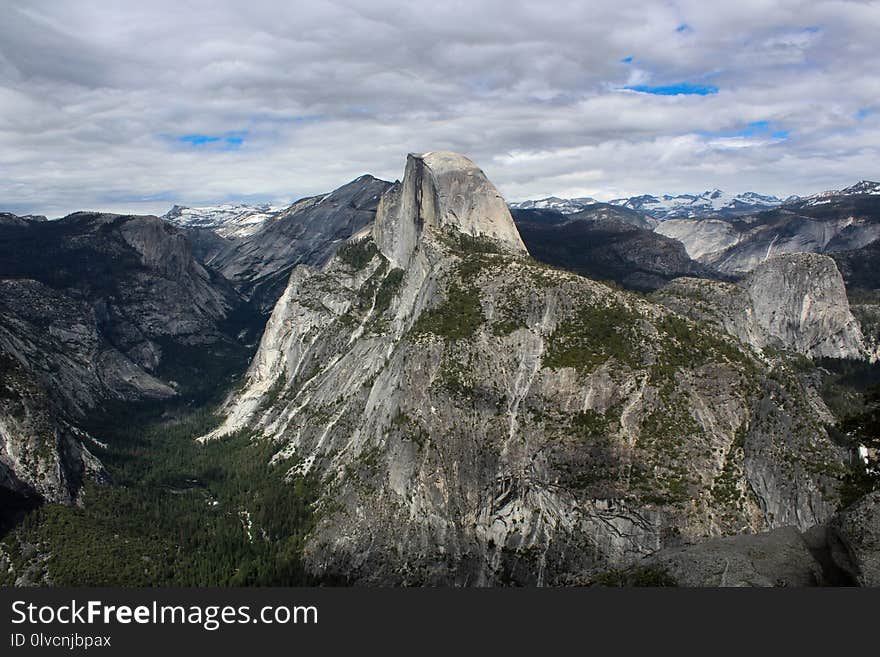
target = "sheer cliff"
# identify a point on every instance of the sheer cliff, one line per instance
(476, 417)
(795, 302)
(97, 309)
(841, 222)
(308, 232)
(609, 244)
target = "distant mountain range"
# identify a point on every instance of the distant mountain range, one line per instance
(713, 203)
(563, 205)
(864, 187)
(239, 220)
(406, 383)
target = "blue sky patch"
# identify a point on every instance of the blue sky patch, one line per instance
(753, 129)
(227, 140)
(677, 89)
(863, 113)
(198, 140)
(626, 60)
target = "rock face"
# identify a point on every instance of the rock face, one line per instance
(607, 243)
(855, 540)
(477, 417)
(701, 237)
(794, 302)
(862, 278)
(91, 306)
(42, 456)
(259, 262)
(439, 190)
(737, 246)
(800, 302)
(776, 558)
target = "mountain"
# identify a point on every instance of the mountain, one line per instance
(862, 277)
(256, 250)
(607, 213)
(229, 220)
(709, 204)
(563, 205)
(477, 417)
(100, 309)
(795, 302)
(607, 243)
(9, 219)
(736, 246)
(864, 187)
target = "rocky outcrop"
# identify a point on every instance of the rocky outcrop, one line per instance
(845, 551)
(308, 232)
(793, 302)
(855, 540)
(701, 237)
(477, 417)
(737, 246)
(800, 303)
(606, 213)
(98, 308)
(607, 243)
(43, 457)
(9, 219)
(440, 190)
(776, 558)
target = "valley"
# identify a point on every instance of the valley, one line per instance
(410, 384)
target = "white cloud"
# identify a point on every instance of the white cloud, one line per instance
(95, 94)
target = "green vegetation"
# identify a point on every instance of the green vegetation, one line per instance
(176, 513)
(863, 429)
(455, 376)
(851, 389)
(457, 318)
(510, 311)
(643, 576)
(692, 344)
(387, 290)
(464, 243)
(589, 423)
(845, 382)
(663, 474)
(200, 369)
(273, 393)
(357, 254)
(592, 334)
(725, 490)
(506, 327)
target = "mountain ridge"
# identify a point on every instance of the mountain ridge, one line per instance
(480, 418)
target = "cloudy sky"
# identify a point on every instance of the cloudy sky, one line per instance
(133, 106)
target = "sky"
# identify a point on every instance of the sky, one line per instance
(134, 106)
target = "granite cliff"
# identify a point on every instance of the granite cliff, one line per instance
(476, 417)
(795, 302)
(98, 309)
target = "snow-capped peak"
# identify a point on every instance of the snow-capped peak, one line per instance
(228, 220)
(563, 205)
(863, 187)
(713, 202)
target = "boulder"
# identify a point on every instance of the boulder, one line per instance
(776, 558)
(854, 538)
